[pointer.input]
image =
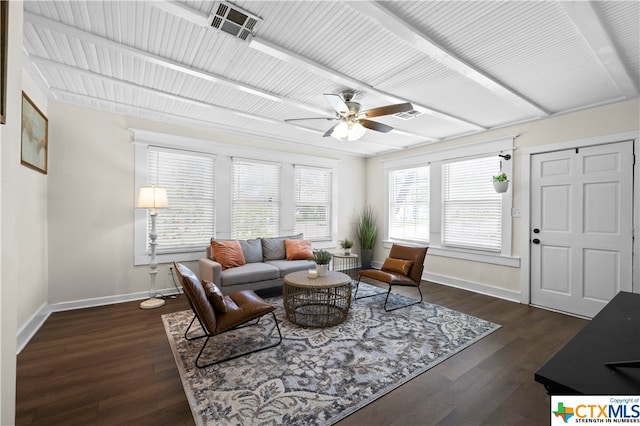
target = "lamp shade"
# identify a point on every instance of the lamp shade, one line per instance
(152, 197)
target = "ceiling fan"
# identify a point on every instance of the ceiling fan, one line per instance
(353, 123)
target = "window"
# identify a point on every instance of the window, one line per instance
(255, 199)
(188, 177)
(466, 218)
(409, 204)
(312, 199)
(471, 210)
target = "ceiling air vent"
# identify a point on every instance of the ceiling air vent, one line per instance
(233, 20)
(408, 115)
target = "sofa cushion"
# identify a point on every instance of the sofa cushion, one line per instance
(252, 250)
(215, 296)
(250, 272)
(273, 248)
(298, 249)
(287, 266)
(228, 253)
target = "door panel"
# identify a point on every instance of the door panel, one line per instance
(582, 206)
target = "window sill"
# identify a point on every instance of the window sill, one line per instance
(491, 258)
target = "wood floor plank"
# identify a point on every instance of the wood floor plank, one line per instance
(112, 365)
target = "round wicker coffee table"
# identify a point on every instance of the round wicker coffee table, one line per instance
(316, 302)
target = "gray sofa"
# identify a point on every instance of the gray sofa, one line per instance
(265, 267)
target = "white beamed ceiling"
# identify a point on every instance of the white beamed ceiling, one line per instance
(466, 66)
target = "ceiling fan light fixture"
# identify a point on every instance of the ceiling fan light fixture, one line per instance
(348, 131)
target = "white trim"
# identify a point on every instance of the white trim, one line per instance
(501, 293)
(504, 143)
(220, 148)
(524, 187)
(31, 327)
(492, 258)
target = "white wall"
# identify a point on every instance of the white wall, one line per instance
(32, 227)
(91, 200)
(11, 194)
(499, 280)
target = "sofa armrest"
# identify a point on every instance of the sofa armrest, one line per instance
(210, 270)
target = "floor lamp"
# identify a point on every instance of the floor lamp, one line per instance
(152, 198)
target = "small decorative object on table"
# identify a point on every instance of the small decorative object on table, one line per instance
(501, 183)
(346, 244)
(322, 259)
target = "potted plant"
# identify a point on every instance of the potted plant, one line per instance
(322, 259)
(501, 183)
(346, 244)
(366, 231)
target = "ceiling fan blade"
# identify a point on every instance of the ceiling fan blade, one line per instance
(337, 103)
(328, 132)
(374, 125)
(389, 109)
(310, 118)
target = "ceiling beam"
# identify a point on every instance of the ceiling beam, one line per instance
(39, 61)
(278, 52)
(114, 106)
(389, 21)
(590, 26)
(164, 62)
(293, 58)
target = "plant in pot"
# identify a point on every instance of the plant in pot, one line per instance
(501, 183)
(322, 259)
(346, 245)
(366, 231)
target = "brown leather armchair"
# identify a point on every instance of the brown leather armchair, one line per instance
(218, 313)
(403, 267)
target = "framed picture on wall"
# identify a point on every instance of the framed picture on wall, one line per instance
(4, 41)
(35, 128)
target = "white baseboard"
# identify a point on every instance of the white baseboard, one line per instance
(29, 329)
(501, 293)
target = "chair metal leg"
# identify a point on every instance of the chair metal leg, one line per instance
(355, 295)
(241, 354)
(186, 332)
(403, 306)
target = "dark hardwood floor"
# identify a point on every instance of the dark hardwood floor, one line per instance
(112, 365)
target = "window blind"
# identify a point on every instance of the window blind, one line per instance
(472, 210)
(256, 199)
(409, 204)
(312, 199)
(188, 223)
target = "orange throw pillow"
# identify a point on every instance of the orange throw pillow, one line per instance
(399, 266)
(228, 253)
(298, 249)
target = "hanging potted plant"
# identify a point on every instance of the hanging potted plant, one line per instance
(346, 245)
(322, 259)
(366, 231)
(501, 183)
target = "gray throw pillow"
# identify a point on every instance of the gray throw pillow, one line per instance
(252, 250)
(273, 248)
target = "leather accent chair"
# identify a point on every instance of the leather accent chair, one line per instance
(239, 307)
(403, 267)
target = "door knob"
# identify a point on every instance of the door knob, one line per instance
(536, 231)
(535, 241)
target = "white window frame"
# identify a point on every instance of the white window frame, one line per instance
(435, 159)
(327, 204)
(224, 154)
(390, 203)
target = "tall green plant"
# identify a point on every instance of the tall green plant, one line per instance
(367, 229)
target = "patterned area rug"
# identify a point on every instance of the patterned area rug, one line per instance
(317, 376)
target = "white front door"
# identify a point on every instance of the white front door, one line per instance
(581, 227)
